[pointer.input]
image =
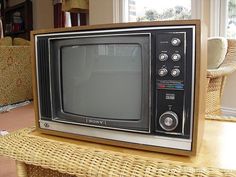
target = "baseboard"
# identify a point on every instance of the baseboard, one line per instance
(228, 111)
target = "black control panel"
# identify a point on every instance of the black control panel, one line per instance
(173, 83)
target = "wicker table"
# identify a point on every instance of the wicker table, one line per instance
(40, 155)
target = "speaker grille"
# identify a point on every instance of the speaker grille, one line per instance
(43, 78)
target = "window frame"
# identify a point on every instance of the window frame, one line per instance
(120, 10)
(218, 17)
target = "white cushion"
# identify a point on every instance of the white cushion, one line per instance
(217, 49)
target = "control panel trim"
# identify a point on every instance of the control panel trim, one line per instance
(137, 138)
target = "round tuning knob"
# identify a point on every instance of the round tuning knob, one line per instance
(175, 72)
(175, 42)
(162, 72)
(168, 121)
(176, 57)
(163, 57)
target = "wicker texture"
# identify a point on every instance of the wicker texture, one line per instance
(217, 79)
(58, 159)
(15, 74)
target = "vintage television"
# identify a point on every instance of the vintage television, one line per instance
(137, 85)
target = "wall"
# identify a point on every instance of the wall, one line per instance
(42, 12)
(100, 12)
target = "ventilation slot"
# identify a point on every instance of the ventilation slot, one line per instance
(44, 81)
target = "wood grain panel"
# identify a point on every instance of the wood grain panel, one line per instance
(200, 76)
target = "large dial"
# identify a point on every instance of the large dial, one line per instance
(168, 121)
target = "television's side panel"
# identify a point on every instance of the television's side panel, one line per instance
(200, 86)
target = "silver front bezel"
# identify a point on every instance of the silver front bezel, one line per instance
(61, 126)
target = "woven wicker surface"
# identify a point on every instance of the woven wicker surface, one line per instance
(213, 97)
(61, 158)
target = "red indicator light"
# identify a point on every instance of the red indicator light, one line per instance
(162, 86)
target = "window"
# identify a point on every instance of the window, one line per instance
(231, 19)
(149, 10)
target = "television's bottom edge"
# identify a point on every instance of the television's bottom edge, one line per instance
(174, 145)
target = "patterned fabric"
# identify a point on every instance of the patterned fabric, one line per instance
(6, 41)
(15, 74)
(20, 41)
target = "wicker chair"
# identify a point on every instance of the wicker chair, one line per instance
(216, 79)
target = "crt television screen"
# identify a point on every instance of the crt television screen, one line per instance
(102, 80)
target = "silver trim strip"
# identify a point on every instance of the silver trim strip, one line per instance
(137, 138)
(104, 35)
(37, 77)
(184, 102)
(50, 77)
(114, 30)
(99, 126)
(193, 81)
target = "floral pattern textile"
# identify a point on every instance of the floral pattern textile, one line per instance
(15, 74)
